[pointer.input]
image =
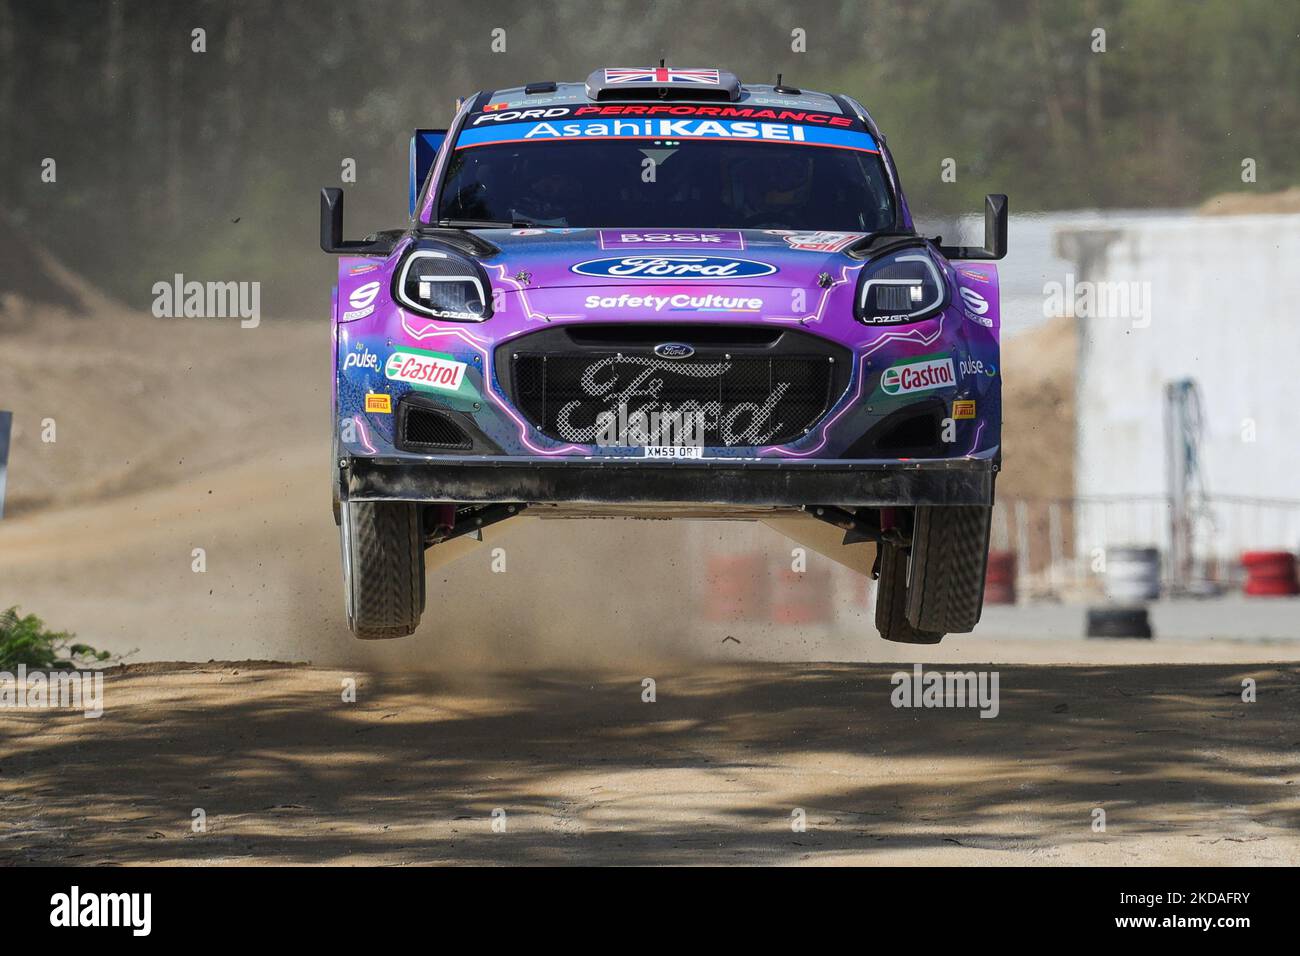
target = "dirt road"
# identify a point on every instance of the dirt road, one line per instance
(585, 771)
(188, 519)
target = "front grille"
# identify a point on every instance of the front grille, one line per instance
(577, 388)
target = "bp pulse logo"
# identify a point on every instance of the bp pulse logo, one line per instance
(673, 268)
(918, 376)
(362, 359)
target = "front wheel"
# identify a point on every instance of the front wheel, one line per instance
(383, 567)
(950, 553)
(891, 601)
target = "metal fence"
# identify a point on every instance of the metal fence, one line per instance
(1060, 544)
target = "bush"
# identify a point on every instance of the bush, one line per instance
(24, 640)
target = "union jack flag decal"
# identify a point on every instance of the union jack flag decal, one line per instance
(662, 74)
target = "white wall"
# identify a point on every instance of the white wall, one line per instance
(1032, 259)
(1225, 311)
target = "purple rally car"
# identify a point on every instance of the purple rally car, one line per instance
(663, 293)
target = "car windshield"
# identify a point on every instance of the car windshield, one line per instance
(716, 184)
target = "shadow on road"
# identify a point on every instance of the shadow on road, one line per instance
(712, 771)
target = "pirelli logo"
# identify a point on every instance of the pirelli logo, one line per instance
(380, 403)
(963, 408)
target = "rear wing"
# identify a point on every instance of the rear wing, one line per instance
(424, 150)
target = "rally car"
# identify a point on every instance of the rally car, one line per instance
(666, 293)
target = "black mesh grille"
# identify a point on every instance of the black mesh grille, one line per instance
(735, 400)
(423, 428)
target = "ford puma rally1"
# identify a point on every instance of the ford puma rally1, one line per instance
(665, 293)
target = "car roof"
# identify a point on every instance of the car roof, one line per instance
(757, 94)
(648, 86)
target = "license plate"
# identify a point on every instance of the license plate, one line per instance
(672, 451)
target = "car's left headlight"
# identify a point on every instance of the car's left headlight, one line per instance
(902, 286)
(443, 285)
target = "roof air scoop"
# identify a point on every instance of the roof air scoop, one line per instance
(662, 83)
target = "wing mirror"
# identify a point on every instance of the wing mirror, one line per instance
(331, 230)
(995, 233)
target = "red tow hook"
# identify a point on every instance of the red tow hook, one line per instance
(887, 522)
(442, 519)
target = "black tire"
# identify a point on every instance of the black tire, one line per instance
(950, 554)
(383, 568)
(1119, 622)
(891, 601)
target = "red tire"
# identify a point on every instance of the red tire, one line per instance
(1270, 573)
(1000, 578)
(736, 587)
(801, 598)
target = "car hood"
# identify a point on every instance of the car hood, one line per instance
(653, 259)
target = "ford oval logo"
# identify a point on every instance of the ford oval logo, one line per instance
(674, 268)
(674, 350)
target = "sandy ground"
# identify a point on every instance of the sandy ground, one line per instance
(713, 771)
(522, 689)
(121, 574)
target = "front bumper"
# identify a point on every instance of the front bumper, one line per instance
(764, 483)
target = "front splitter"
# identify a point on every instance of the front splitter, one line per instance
(765, 483)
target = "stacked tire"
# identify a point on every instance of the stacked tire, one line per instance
(1270, 573)
(801, 598)
(1132, 579)
(1132, 575)
(1119, 622)
(736, 587)
(1000, 579)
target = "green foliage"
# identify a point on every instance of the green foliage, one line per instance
(209, 163)
(24, 640)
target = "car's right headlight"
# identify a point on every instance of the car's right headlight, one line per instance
(901, 286)
(443, 285)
